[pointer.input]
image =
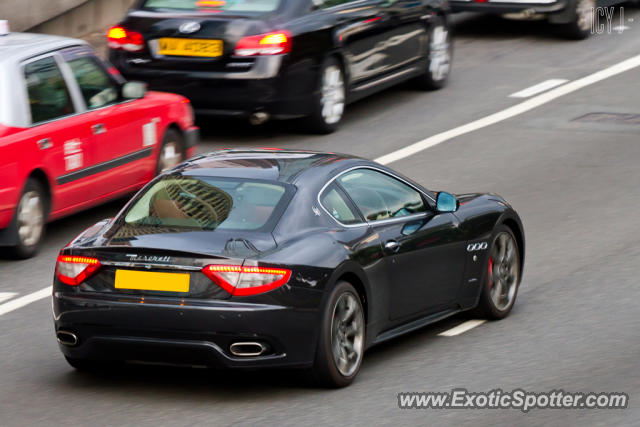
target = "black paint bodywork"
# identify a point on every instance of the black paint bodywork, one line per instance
(379, 44)
(431, 276)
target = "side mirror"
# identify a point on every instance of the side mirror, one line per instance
(134, 90)
(446, 202)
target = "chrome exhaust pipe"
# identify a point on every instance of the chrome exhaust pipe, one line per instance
(67, 338)
(247, 349)
(258, 118)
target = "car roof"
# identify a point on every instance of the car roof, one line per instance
(268, 164)
(20, 46)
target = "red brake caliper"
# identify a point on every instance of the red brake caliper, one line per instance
(490, 272)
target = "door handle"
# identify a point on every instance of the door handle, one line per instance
(45, 143)
(98, 129)
(392, 246)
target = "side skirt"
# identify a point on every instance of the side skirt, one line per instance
(413, 325)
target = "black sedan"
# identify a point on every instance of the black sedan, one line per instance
(269, 258)
(282, 58)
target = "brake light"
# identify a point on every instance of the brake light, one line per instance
(276, 43)
(248, 280)
(73, 270)
(121, 38)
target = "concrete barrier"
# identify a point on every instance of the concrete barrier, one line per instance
(74, 18)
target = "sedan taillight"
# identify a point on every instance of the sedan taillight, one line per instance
(247, 280)
(73, 270)
(121, 38)
(276, 43)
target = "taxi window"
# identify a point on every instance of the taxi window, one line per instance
(97, 87)
(49, 96)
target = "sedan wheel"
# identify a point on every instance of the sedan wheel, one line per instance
(580, 27)
(439, 56)
(332, 99)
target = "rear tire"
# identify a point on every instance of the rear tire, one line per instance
(329, 101)
(501, 276)
(172, 151)
(341, 341)
(582, 20)
(27, 227)
(439, 55)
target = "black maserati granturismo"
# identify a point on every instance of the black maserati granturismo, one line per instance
(282, 58)
(280, 258)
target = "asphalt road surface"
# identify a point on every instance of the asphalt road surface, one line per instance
(575, 325)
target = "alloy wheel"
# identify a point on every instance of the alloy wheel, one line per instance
(332, 94)
(503, 271)
(347, 334)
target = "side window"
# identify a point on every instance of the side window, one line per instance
(337, 206)
(379, 196)
(97, 87)
(49, 96)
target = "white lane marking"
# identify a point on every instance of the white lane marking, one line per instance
(540, 87)
(510, 112)
(6, 295)
(461, 328)
(25, 300)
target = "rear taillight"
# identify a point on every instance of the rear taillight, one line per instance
(73, 270)
(247, 280)
(276, 43)
(121, 38)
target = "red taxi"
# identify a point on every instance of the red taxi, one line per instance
(74, 134)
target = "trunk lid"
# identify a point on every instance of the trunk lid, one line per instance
(167, 265)
(157, 26)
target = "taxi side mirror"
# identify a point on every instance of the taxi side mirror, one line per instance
(134, 90)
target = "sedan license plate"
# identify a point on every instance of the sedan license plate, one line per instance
(189, 47)
(152, 281)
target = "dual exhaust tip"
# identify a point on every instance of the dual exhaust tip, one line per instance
(67, 338)
(248, 348)
(240, 348)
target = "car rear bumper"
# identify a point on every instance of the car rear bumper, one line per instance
(281, 91)
(111, 328)
(503, 7)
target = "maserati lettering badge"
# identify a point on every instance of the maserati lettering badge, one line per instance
(148, 258)
(477, 246)
(189, 27)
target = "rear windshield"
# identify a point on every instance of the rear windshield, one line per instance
(206, 203)
(214, 5)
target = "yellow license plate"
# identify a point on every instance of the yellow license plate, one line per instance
(189, 47)
(152, 281)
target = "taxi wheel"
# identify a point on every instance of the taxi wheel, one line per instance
(29, 220)
(171, 151)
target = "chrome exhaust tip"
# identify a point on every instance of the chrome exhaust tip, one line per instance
(258, 118)
(67, 338)
(247, 349)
